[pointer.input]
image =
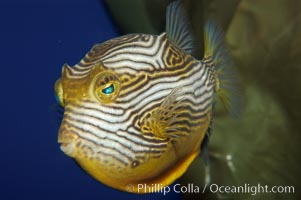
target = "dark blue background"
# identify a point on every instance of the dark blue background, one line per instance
(37, 38)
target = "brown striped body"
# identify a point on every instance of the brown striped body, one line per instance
(107, 137)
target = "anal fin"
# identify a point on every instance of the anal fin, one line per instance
(205, 144)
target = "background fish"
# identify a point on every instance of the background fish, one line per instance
(138, 108)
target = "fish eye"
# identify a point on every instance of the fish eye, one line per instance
(106, 87)
(58, 89)
(109, 90)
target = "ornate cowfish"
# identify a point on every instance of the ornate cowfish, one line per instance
(138, 108)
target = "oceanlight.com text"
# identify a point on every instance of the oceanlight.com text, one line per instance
(249, 189)
(212, 188)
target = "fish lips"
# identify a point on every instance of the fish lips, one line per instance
(67, 140)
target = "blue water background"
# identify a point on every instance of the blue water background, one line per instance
(37, 38)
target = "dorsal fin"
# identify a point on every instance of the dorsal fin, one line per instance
(178, 28)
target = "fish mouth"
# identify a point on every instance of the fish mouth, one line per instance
(67, 148)
(67, 141)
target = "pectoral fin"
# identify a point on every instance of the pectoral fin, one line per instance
(165, 121)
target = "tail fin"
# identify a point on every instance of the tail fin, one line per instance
(226, 77)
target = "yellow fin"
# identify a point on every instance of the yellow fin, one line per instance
(161, 122)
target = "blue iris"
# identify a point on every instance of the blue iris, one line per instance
(108, 90)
